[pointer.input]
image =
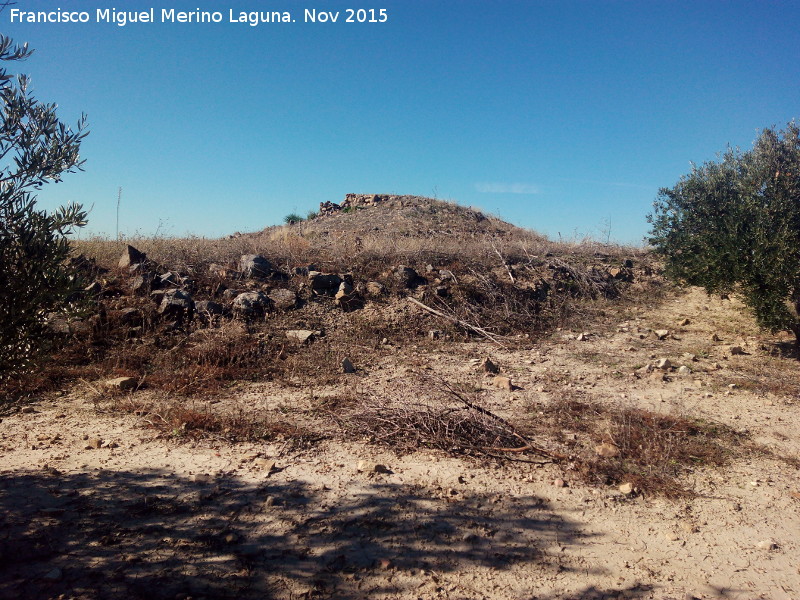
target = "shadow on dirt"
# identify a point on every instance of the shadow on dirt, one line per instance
(155, 536)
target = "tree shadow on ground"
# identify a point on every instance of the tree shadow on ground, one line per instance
(784, 349)
(153, 535)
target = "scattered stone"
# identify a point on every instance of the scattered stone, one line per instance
(368, 467)
(121, 383)
(229, 294)
(230, 538)
(142, 284)
(348, 300)
(169, 278)
(583, 337)
(504, 383)
(347, 366)
(131, 256)
(737, 351)
(407, 276)
(249, 305)
(434, 334)
(685, 322)
(385, 563)
(690, 357)
(661, 334)
(283, 299)
(606, 450)
(177, 305)
(302, 335)
(55, 574)
(626, 488)
(109, 444)
(324, 284)
(221, 271)
(768, 544)
(265, 463)
(664, 364)
(684, 370)
(94, 444)
(489, 367)
(255, 266)
(560, 483)
(671, 536)
(716, 338)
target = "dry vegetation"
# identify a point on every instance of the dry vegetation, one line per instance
(504, 429)
(488, 278)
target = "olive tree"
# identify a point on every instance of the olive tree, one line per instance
(734, 226)
(35, 278)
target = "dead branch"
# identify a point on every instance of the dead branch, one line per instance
(474, 328)
(503, 260)
(529, 446)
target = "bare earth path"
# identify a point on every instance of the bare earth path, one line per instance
(150, 516)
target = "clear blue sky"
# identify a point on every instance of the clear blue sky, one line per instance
(559, 116)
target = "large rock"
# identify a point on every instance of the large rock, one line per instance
(176, 305)
(143, 284)
(302, 335)
(283, 299)
(407, 277)
(131, 256)
(348, 301)
(255, 265)
(324, 283)
(170, 278)
(250, 305)
(121, 383)
(623, 274)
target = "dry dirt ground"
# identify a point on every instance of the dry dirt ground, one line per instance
(151, 516)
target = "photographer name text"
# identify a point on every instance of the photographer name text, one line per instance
(124, 18)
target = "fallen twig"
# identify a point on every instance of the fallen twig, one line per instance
(474, 328)
(528, 447)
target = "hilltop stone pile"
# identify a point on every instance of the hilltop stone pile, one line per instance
(356, 201)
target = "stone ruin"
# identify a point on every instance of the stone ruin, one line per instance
(352, 201)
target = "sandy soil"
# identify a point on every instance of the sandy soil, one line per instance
(154, 516)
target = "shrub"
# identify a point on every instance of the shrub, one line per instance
(734, 226)
(34, 277)
(292, 218)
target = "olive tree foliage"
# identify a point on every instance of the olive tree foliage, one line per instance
(35, 278)
(734, 226)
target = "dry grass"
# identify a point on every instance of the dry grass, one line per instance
(187, 420)
(655, 450)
